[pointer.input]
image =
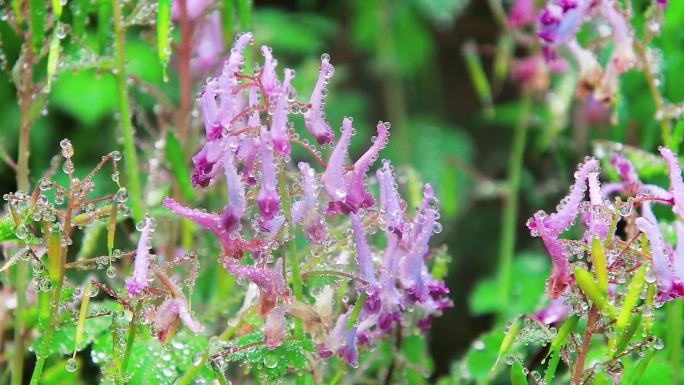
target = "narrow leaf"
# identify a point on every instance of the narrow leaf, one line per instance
(564, 332)
(641, 367)
(82, 314)
(632, 297)
(53, 57)
(478, 77)
(163, 33)
(508, 340)
(586, 282)
(518, 376)
(54, 257)
(598, 257)
(57, 8)
(111, 229)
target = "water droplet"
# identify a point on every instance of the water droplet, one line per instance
(71, 365)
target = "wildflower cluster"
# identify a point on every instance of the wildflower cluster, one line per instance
(271, 208)
(618, 271)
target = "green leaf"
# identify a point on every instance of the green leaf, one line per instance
(74, 90)
(526, 294)
(518, 376)
(7, 229)
(64, 337)
(38, 16)
(483, 354)
(179, 169)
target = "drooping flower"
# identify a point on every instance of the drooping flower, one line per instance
(171, 310)
(269, 280)
(314, 118)
(364, 257)
(209, 44)
(390, 201)
(138, 281)
(274, 328)
(269, 78)
(279, 125)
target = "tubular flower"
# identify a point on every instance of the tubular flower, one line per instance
(346, 188)
(306, 210)
(676, 184)
(235, 208)
(274, 329)
(522, 12)
(138, 281)
(268, 198)
(209, 44)
(314, 118)
(281, 142)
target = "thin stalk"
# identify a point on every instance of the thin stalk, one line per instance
(674, 337)
(584, 349)
(131, 158)
(509, 215)
(665, 131)
(42, 353)
(131, 339)
(184, 54)
(24, 91)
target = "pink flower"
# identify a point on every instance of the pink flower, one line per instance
(314, 118)
(171, 310)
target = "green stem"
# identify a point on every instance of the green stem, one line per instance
(509, 216)
(18, 359)
(131, 158)
(338, 375)
(131, 339)
(357, 309)
(42, 354)
(674, 337)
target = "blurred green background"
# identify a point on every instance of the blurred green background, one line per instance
(401, 61)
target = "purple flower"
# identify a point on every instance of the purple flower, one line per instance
(559, 22)
(390, 201)
(209, 44)
(279, 126)
(269, 280)
(341, 340)
(268, 198)
(168, 312)
(138, 281)
(235, 208)
(661, 264)
(346, 188)
(274, 328)
(676, 184)
(555, 312)
(314, 118)
(364, 256)
(521, 13)
(269, 78)
(306, 210)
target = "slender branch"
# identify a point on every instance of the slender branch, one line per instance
(584, 349)
(131, 158)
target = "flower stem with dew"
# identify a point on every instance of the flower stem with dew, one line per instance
(42, 353)
(131, 339)
(509, 215)
(131, 158)
(674, 337)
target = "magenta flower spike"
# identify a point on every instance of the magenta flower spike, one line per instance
(268, 198)
(168, 312)
(138, 281)
(676, 184)
(333, 177)
(678, 262)
(279, 125)
(623, 57)
(314, 118)
(560, 274)
(269, 280)
(560, 21)
(235, 208)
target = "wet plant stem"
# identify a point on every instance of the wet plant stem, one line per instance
(584, 348)
(131, 158)
(42, 353)
(24, 91)
(131, 339)
(675, 314)
(509, 214)
(658, 100)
